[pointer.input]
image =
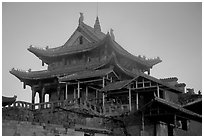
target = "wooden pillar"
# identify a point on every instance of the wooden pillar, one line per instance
(78, 90)
(103, 92)
(142, 131)
(43, 94)
(74, 93)
(86, 93)
(158, 91)
(96, 94)
(103, 99)
(175, 120)
(137, 102)
(130, 104)
(143, 83)
(103, 85)
(24, 85)
(58, 92)
(66, 91)
(137, 105)
(33, 95)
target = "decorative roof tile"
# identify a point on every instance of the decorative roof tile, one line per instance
(180, 85)
(169, 79)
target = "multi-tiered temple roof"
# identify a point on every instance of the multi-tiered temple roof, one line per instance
(85, 40)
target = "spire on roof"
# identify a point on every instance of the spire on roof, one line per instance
(81, 18)
(97, 26)
(111, 34)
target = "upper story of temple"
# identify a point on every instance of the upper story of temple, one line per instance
(87, 48)
(88, 45)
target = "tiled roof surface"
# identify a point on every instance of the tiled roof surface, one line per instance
(193, 102)
(54, 52)
(86, 74)
(116, 85)
(159, 81)
(55, 73)
(176, 106)
(63, 50)
(92, 32)
(97, 36)
(119, 85)
(180, 84)
(122, 51)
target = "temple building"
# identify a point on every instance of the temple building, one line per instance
(93, 70)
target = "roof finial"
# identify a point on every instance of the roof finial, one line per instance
(81, 18)
(111, 34)
(97, 26)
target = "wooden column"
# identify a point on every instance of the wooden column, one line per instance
(137, 105)
(137, 102)
(175, 120)
(58, 92)
(86, 93)
(43, 94)
(130, 104)
(103, 99)
(66, 91)
(103, 92)
(33, 95)
(96, 94)
(74, 93)
(78, 90)
(142, 133)
(158, 91)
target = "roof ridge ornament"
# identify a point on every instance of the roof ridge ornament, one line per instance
(81, 18)
(111, 34)
(97, 26)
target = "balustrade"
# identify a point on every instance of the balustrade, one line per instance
(108, 109)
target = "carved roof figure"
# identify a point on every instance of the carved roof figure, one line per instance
(81, 18)
(111, 34)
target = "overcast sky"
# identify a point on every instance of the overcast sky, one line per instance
(171, 31)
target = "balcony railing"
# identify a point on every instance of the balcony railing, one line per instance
(108, 109)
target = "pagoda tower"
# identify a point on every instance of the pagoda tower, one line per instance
(87, 62)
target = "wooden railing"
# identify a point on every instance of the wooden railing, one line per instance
(108, 109)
